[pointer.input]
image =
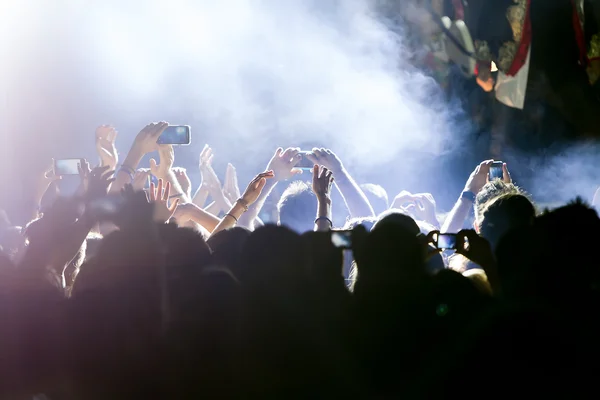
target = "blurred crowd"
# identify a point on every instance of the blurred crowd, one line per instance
(301, 284)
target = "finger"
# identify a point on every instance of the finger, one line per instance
(296, 171)
(317, 152)
(324, 172)
(505, 174)
(432, 236)
(159, 190)
(296, 158)
(261, 184)
(160, 128)
(167, 192)
(152, 191)
(174, 205)
(315, 173)
(289, 153)
(153, 164)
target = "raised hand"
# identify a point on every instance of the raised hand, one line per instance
(475, 248)
(145, 141)
(99, 180)
(326, 158)
(206, 157)
(255, 187)
(321, 183)
(231, 189)
(283, 163)
(163, 211)
(183, 179)
(402, 200)
(479, 177)
(423, 208)
(106, 136)
(140, 178)
(167, 158)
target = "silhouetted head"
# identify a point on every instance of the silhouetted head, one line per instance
(503, 213)
(397, 217)
(272, 255)
(490, 192)
(377, 196)
(227, 246)
(297, 207)
(392, 254)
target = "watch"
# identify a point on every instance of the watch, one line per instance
(467, 195)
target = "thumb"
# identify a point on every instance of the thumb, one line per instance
(260, 184)
(153, 164)
(174, 205)
(296, 171)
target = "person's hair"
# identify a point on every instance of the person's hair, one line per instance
(297, 207)
(491, 191)
(226, 247)
(396, 216)
(377, 196)
(367, 222)
(506, 212)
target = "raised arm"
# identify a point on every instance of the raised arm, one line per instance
(353, 196)
(144, 143)
(456, 219)
(321, 186)
(164, 171)
(283, 164)
(252, 193)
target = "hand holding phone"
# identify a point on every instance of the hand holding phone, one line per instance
(496, 170)
(305, 163)
(446, 241)
(68, 166)
(176, 134)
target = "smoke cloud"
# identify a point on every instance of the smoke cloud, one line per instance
(271, 72)
(248, 75)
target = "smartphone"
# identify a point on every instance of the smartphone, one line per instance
(67, 166)
(176, 134)
(446, 241)
(496, 170)
(305, 163)
(342, 239)
(105, 208)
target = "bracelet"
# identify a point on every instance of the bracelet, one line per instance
(467, 195)
(324, 218)
(229, 215)
(131, 176)
(129, 171)
(242, 203)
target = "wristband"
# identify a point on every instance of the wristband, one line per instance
(324, 218)
(229, 215)
(468, 195)
(128, 171)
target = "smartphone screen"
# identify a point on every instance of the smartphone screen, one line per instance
(305, 163)
(446, 241)
(496, 171)
(105, 208)
(67, 166)
(342, 239)
(176, 134)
